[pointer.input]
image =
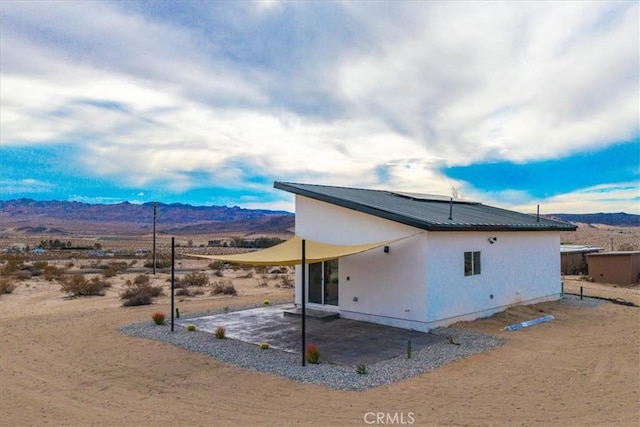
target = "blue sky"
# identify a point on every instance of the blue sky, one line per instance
(511, 103)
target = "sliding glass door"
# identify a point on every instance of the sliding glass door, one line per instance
(323, 283)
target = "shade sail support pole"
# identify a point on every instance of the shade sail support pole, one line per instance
(304, 305)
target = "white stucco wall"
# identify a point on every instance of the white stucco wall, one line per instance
(519, 268)
(390, 287)
(420, 283)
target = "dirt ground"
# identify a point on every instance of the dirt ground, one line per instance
(63, 362)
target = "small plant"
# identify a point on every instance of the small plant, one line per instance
(452, 340)
(158, 317)
(312, 354)
(139, 292)
(191, 327)
(77, 285)
(266, 302)
(361, 369)
(264, 346)
(7, 286)
(220, 332)
(286, 281)
(224, 287)
(195, 279)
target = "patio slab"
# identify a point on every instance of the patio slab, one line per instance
(341, 341)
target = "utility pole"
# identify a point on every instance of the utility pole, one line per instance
(155, 207)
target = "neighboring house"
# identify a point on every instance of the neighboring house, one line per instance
(457, 260)
(573, 258)
(619, 267)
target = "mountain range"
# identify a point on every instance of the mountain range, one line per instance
(31, 216)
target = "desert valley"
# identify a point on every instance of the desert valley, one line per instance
(63, 360)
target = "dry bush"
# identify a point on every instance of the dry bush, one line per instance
(195, 279)
(77, 285)
(263, 282)
(51, 272)
(22, 275)
(246, 274)
(139, 292)
(183, 292)
(7, 286)
(286, 282)
(224, 287)
(11, 266)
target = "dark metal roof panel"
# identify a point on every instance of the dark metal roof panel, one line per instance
(425, 213)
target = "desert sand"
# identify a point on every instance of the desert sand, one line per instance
(63, 362)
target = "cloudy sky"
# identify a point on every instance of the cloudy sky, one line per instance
(510, 103)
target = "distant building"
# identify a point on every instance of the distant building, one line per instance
(619, 267)
(573, 258)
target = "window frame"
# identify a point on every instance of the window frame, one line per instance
(472, 263)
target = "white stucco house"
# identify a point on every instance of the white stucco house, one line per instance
(455, 260)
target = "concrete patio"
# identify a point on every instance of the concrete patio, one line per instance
(341, 341)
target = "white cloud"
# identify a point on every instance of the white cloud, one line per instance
(621, 197)
(414, 87)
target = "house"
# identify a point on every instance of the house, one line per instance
(445, 261)
(573, 258)
(618, 267)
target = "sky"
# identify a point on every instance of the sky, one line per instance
(513, 104)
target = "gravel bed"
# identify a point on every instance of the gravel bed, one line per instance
(460, 343)
(575, 301)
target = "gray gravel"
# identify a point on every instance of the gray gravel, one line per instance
(249, 356)
(575, 301)
(461, 343)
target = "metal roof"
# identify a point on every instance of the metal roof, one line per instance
(571, 249)
(433, 213)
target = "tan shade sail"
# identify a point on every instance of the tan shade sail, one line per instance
(290, 252)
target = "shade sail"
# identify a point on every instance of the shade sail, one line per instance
(290, 252)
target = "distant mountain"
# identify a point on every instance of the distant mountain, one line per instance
(620, 219)
(127, 212)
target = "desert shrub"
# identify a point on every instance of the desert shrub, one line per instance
(312, 354)
(51, 272)
(191, 327)
(11, 266)
(220, 332)
(195, 279)
(109, 272)
(142, 279)
(141, 293)
(224, 287)
(217, 265)
(264, 346)
(77, 285)
(22, 275)
(161, 262)
(183, 292)
(361, 369)
(7, 286)
(198, 291)
(158, 317)
(246, 275)
(266, 302)
(263, 282)
(218, 273)
(41, 265)
(286, 281)
(138, 299)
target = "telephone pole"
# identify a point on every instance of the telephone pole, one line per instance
(155, 209)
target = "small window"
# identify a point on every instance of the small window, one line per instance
(471, 263)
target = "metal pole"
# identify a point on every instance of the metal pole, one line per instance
(304, 297)
(154, 236)
(173, 257)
